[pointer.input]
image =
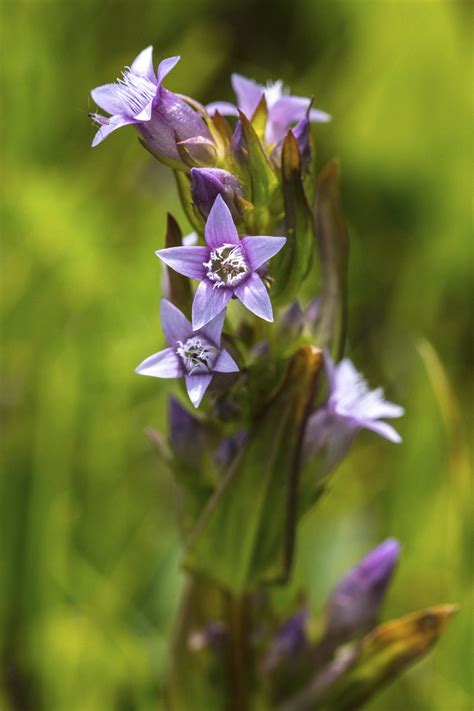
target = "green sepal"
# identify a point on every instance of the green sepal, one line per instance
(291, 266)
(259, 118)
(246, 534)
(183, 183)
(333, 247)
(180, 293)
(263, 180)
(385, 653)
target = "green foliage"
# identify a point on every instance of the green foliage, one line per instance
(90, 576)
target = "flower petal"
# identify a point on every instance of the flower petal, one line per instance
(220, 228)
(188, 261)
(208, 303)
(383, 429)
(143, 64)
(107, 128)
(259, 249)
(165, 67)
(174, 323)
(225, 363)
(196, 385)
(107, 97)
(253, 294)
(317, 116)
(248, 93)
(145, 113)
(213, 329)
(225, 108)
(164, 364)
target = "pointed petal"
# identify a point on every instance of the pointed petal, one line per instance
(383, 429)
(108, 128)
(196, 386)
(188, 261)
(225, 108)
(220, 228)
(289, 109)
(165, 67)
(143, 64)
(164, 364)
(260, 249)
(213, 329)
(317, 116)
(145, 113)
(253, 294)
(174, 323)
(208, 303)
(107, 98)
(248, 93)
(225, 363)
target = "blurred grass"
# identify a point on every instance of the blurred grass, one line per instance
(90, 570)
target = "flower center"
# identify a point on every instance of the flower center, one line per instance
(197, 355)
(135, 90)
(227, 266)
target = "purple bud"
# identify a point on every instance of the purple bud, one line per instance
(354, 603)
(187, 435)
(289, 641)
(208, 183)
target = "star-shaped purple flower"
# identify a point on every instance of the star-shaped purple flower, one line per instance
(192, 355)
(227, 266)
(351, 406)
(161, 116)
(283, 108)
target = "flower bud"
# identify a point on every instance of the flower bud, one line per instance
(355, 601)
(208, 183)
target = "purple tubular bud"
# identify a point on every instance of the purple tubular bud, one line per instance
(186, 434)
(355, 601)
(208, 183)
(290, 640)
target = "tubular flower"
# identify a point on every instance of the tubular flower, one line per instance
(351, 406)
(192, 355)
(160, 116)
(208, 183)
(227, 266)
(283, 108)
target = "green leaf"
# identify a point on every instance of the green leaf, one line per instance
(333, 246)
(180, 293)
(291, 266)
(246, 534)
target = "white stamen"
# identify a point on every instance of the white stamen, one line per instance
(227, 266)
(197, 355)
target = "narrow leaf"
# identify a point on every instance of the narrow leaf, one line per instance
(246, 535)
(333, 246)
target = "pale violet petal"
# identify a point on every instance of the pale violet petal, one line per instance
(107, 128)
(225, 108)
(196, 385)
(188, 261)
(208, 302)
(317, 116)
(213, 329)
(107, 97)
(383, 429)
(225, 363)
(176, 326)
(165, 67)
(259, 249)
(143, 64)
(145, 113)
(220, 228)
(164, 364)
(248, 93)
(254, 296)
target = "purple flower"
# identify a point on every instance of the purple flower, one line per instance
(161, 117)
(227, 266)
(192, 355)
(355, 601)
(290, 641)
(208, 183)
(283, 109)
(351, 406)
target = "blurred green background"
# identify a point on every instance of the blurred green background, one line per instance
(90, 576)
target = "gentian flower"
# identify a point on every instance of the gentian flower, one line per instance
(283, 109)
(192, 355)
(354, 603)
(351, 406)
(208, 183)
(160, 116)
(227, 266)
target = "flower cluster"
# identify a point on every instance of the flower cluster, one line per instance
(282, 405)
